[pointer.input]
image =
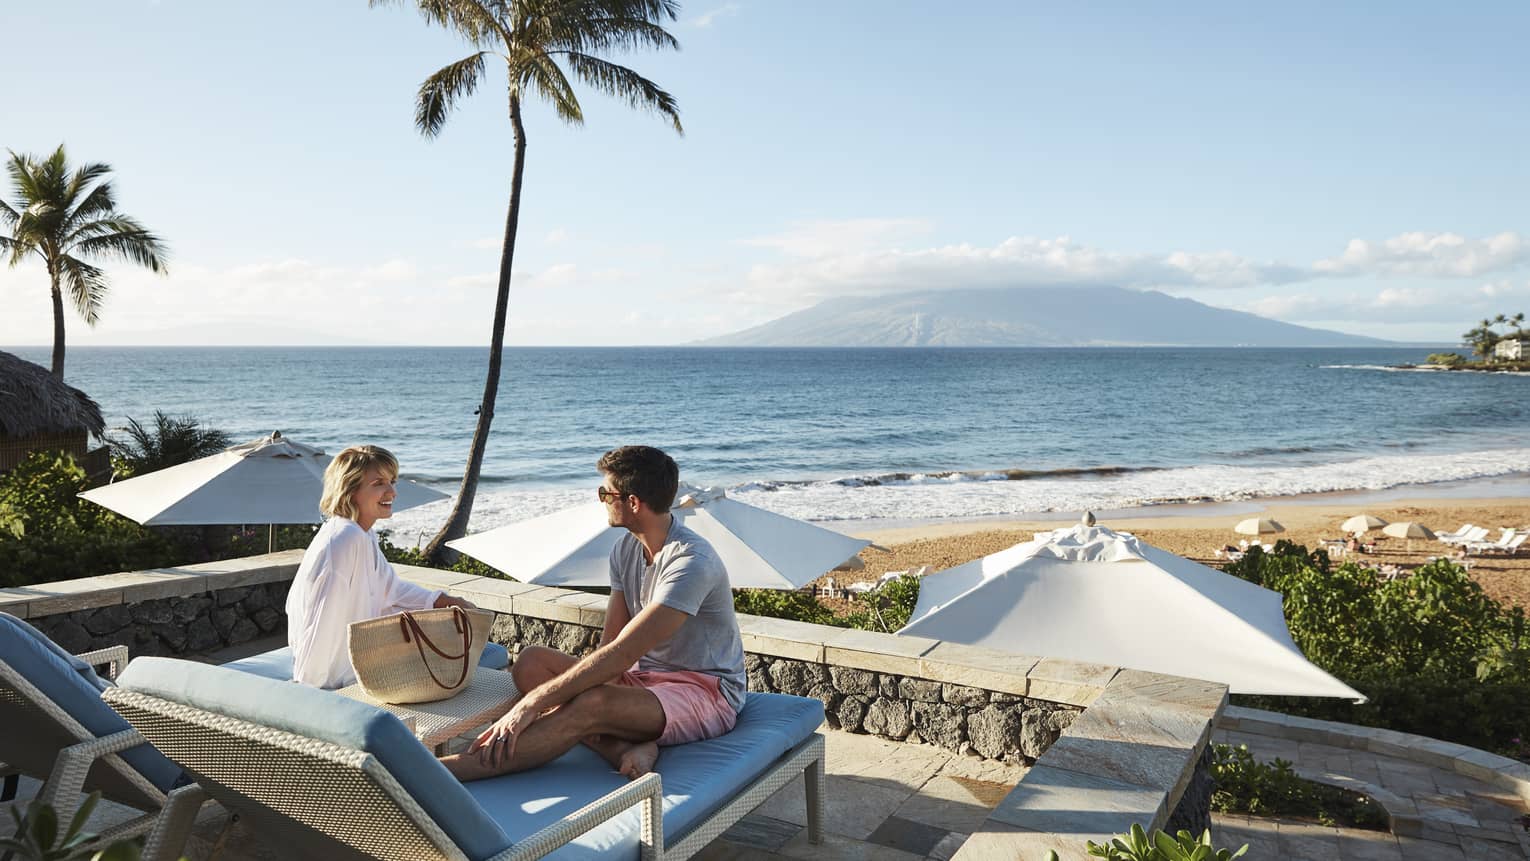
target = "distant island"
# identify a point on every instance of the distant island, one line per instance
(1030, 317)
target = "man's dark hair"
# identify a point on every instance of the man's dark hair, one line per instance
(642, 471)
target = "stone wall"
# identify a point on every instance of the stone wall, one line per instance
(185, 625)
(964, 719)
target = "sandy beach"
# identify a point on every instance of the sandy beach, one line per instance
(942, 544)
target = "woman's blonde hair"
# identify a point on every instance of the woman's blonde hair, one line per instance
(343, 477)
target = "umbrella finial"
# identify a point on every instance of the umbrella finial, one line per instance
(276, 435)
(1088, 518)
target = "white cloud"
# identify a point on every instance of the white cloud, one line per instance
(707, 18)
(555, 236)
(1017, 261)
(1434, 255)
(1439, 305)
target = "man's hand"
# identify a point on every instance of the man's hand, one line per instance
(453, 601)
(496, 744)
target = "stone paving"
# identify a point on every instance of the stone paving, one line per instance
(1438, 814)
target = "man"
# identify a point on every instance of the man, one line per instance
(670, 615)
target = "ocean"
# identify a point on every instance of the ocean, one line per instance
(855, 435)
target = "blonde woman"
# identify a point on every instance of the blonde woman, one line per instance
(344, 577)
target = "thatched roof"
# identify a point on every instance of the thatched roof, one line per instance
(32, 402)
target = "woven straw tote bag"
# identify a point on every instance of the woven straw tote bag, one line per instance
(418, 656)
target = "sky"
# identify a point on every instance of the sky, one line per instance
(1356, 167)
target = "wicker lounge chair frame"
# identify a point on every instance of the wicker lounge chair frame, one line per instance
(21, 701)
(273, 778)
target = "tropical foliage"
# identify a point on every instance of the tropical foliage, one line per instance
(1245, 785)
(545, 45)
(48, 533)
(172, 440)
(1434, 654)
(1137, 846)
(37, 837)
(1449, 360)
(68, 218)
(1484, 337)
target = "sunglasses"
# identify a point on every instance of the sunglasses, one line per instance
(610, 495)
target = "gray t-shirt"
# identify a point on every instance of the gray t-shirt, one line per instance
(686, 575)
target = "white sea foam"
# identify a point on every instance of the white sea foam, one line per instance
(920, 497)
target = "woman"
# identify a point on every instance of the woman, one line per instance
(344, 577)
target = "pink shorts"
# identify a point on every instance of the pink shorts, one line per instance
(694, 707)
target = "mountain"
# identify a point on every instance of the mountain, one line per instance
(1029, 317)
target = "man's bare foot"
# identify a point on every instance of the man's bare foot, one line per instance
(638, 760)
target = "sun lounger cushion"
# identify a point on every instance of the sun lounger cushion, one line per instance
(326, 716)
(697, 778)
(74, 686)
(277, 663)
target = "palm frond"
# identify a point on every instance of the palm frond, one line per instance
(121, 237)
(474, 20)
(86, 285)
(99, 201)
(610, 34)
(173, 440)
(546, 78)
(440, 92)
(625, 84)
(7, 214)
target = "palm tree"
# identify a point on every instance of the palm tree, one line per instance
(532, 37)
(65, 218)
(171, 441)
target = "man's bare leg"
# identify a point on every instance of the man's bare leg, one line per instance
(628, 713)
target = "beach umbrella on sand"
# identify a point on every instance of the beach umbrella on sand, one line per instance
(760, 549)
(1363, 523)
(1409, 530)
(269, 480)
(1092, 594)
(1258, 526)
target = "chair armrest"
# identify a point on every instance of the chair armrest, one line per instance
(62, 791)
(115, 657)
(646, 790)
(173, 827)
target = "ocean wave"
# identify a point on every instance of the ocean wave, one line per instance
(995, 493)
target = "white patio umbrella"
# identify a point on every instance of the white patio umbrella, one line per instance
(269, 480)
(1362, 523)
(1409, 530)
(760, 549)
(1258, 526)
(1091, 594)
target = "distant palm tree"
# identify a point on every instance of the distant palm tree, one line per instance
(531, 37)
(171, 441)
(65, 218)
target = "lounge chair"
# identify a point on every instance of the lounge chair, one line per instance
(329, 777)
(55, 728)
(1476, 533)
(1451, 537)
(1508, 542)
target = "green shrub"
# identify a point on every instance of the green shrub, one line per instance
(37, 838)
(1183, 847)
(1449, 360)
(777, 604)
(415, 556)
(1434, 654)
(1244, 785)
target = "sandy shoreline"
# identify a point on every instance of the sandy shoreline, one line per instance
(1197, 531)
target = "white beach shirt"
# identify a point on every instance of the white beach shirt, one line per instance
(344, 578)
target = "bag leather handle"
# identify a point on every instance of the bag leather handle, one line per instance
(464, 625)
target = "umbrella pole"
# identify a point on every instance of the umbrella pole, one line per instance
(270, 537)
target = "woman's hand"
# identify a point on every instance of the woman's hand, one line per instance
(453, 601)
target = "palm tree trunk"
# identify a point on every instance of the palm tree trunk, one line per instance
(58, 328)
(436, 552)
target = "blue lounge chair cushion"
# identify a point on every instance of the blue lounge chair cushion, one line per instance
(277, 663)
(327, 716)
(74, 686)
(698, 778)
